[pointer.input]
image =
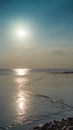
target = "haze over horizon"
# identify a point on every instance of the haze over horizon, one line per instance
(36, 34)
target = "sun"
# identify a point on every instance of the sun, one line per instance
(21, 33)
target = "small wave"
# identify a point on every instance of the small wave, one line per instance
(59, 102)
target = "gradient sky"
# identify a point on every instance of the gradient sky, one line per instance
(49, 42)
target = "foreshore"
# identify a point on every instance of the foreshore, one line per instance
(63, 124)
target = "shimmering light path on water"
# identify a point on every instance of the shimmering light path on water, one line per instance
(21, 98)
(29, 97)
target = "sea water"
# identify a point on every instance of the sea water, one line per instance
(32, 96)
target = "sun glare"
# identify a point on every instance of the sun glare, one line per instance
(21, 72)
(21, 33)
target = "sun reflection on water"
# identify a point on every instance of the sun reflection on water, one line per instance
(21, 102)
(22, 98)
(21, 72)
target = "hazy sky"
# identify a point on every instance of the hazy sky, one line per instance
(48, 25)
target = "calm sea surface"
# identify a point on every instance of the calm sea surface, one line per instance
(30, 97)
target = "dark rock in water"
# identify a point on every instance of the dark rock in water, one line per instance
(54, 121)
(50, 122)
(50, 128)
(69, 128)
(36, 127)
(64, 127)
(63, 119)
(46, 124)
(41, 127)
(70, 118)
(63, 124)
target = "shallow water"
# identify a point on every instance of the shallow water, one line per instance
(30, 97)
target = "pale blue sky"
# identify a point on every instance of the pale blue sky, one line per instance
(50, 23)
